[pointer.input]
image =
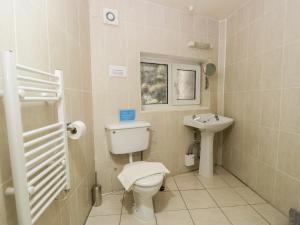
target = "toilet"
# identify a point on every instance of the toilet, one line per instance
(127, 138)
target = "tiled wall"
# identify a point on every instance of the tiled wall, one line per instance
(262, 94)
(48, 35)
(144, 27)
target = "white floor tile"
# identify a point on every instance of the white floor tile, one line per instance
(243, 215)
(188, 182)
(272, 215)
(103, 220)
(170, 184)
(168, 200)
(198, 199)
(250, 196)
(174, 218)
(111, 205)
(171, 206)
(132, 220)
(213, 216)
(212, 182)
(231, 180)
(226, 197)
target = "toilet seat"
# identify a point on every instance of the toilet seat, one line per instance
(146, 181)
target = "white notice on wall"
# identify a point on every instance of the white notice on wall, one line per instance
(117, 71)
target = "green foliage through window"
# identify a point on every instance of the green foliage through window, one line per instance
(154, 83)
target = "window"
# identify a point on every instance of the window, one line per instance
(169, 84)
(154, 79)
(186, 83)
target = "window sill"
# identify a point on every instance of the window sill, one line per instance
(160, 108)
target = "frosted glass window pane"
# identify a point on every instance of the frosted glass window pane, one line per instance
(186, 85)
(154, 81)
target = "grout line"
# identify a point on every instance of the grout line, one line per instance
(219, 207)
(250, 205)
(185, 203)
(123, 200)
(260, 214)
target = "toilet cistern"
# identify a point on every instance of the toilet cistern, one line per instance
(208, 124)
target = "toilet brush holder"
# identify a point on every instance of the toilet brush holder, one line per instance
(96, 193)
(189, 160)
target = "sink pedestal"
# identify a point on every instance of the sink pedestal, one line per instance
(206, 166)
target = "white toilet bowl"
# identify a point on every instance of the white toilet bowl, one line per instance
(143, 192)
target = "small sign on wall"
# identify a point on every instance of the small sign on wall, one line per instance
(127, 115)
(117, 71)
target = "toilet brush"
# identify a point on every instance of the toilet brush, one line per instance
(96, 193)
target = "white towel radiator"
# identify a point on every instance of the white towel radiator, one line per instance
(39, 158)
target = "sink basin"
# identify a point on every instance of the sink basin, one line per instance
(208, 124)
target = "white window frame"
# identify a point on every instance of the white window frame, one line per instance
(175, 68)
(172, 69)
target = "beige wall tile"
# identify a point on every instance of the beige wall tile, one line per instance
(270, 108)
(290, 65)
(273, 29)
(266, 181)
(288, 153)
(292, 20)
(41, 42)
(270, 97)
(290, 104)
(271, 69)
(7, 25)
(31, 35)
(252, 134)
(256, 9)
(283, 185)
(256, 38)
(268, 146)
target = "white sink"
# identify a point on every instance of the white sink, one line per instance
(208, 124)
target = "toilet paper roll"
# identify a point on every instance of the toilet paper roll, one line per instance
(76, 130)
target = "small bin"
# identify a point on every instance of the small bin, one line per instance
(97, 195)
(189, 160)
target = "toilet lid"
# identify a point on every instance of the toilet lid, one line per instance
(146, 181)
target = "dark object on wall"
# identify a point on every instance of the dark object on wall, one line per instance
(96, 193)
(208, 69)
(294, 217)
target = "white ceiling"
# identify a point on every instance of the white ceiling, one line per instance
(218, 9)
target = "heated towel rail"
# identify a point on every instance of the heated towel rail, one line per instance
(39, 157)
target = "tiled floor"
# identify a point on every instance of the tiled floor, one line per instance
(190, 199)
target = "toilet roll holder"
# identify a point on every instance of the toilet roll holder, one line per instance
(72, 130)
